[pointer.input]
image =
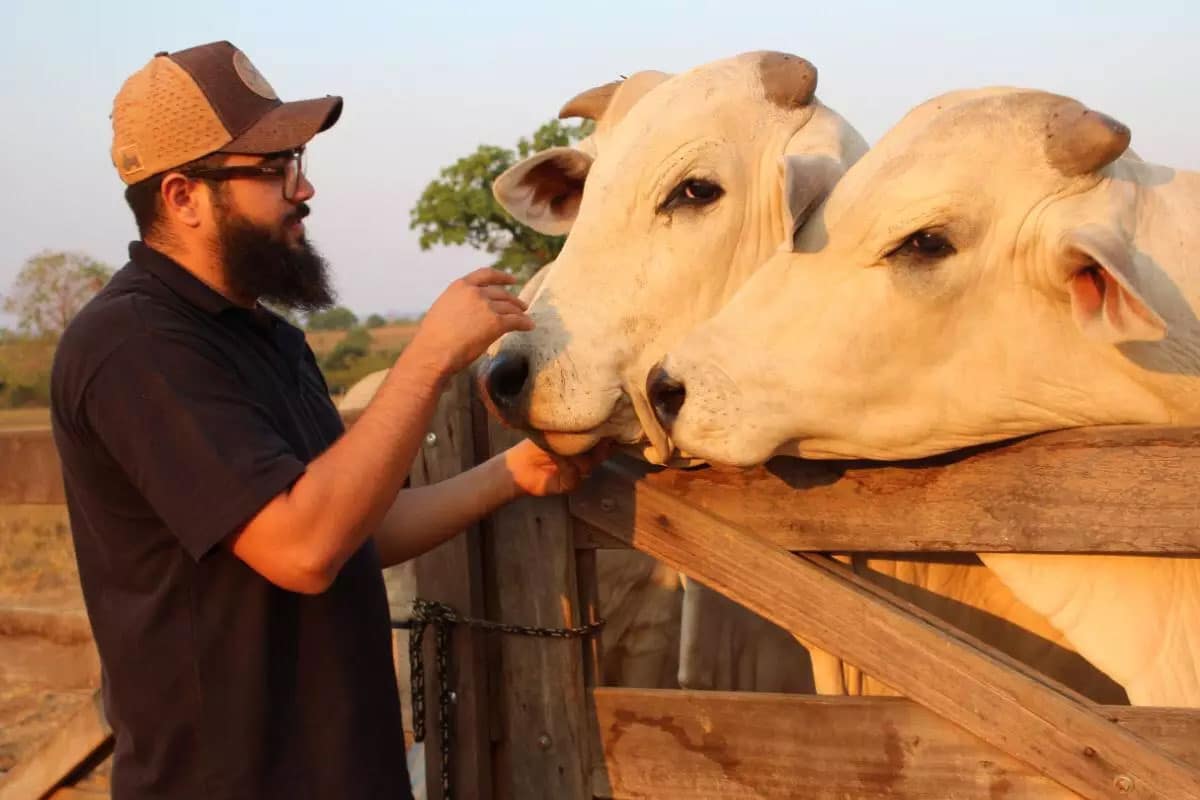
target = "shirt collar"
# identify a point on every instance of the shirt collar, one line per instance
(178, 279)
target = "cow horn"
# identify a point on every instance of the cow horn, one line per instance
(590, 104)
(1079, 140)
(788, 81)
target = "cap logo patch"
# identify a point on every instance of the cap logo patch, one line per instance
(130, 160)
(250, 76)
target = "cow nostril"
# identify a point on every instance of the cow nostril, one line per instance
(506, 377)
(666, 395)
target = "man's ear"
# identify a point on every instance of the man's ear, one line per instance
(544, 190)
(180, 199)
(1108, 301)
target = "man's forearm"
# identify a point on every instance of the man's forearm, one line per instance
(422, 518)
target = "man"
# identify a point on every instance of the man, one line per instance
(229, 536)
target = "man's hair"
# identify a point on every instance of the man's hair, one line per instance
(145, 196)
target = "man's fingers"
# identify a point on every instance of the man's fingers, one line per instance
(500, 293)
(502, 306)
(489, 277)
(515, 322)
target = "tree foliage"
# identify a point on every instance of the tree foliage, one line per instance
(338, 318)
(458, 208)
(51, 288)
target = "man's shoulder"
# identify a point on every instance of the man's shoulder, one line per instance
(127, 313)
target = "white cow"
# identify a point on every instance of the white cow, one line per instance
(993, 267)
(690, 175)
(680, 206)
(689, 165)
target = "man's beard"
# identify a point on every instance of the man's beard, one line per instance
(259, 263)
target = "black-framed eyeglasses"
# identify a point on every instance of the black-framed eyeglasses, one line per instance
(290, 170)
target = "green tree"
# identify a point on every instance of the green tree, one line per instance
(338, 318)
(353, 346)
(51, 288)
(458, 207)
(375, 321)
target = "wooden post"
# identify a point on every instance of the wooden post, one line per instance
(451, 573)
(543, 734)
(996, 698)
(75, 742)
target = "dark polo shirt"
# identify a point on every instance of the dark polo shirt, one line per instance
(178, 416)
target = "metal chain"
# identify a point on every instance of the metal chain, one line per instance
(442, 617)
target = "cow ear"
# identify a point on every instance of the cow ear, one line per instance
(1103, 283)
(544, 190)
(530, 289)
(815, 159)
(807, 181)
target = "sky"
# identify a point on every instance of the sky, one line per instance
(425, 83)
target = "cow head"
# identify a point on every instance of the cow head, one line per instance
(992, 267)
(697, 179)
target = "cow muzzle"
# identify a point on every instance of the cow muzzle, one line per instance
(504, 381)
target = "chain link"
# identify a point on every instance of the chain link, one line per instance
(442, 617)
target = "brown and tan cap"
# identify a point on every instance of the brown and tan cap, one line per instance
(188, 104)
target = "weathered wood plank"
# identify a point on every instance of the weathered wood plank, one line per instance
(71, 793)
(697, 745)
(542, 747)
(588, 578)
(450, 573)
(30, 471)
(1127, 489)
(70, 746)
(1001, 701)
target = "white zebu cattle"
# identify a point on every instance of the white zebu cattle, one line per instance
(641, 643)
(686, 180)
(993, 267)
(688, 164)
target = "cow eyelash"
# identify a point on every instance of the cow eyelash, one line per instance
(924, 245)
(693, 192)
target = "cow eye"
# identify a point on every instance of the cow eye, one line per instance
(692, 192)
(925, 246)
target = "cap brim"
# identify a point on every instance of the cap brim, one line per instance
(287, 126)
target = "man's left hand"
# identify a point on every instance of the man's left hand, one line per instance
(539, 473)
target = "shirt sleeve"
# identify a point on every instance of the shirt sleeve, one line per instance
(177, 418)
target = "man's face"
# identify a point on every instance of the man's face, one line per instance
(261, 243)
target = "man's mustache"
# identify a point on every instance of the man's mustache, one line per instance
(300, 213)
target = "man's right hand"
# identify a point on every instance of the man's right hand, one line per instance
(473, 312)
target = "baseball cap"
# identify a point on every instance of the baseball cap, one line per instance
(191, 103)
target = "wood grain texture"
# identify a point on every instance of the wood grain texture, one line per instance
(543, 738)
(672, 745)
(450, 573)
(44, 769)
(1128, 489)
(1034, 720)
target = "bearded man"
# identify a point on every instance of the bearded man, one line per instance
(229, 533)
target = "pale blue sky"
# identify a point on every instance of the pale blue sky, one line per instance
(424, 84)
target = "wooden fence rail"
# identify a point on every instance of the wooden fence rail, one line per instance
(531, 721)
(1100, 490)
(998, 699)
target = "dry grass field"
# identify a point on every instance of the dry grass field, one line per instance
(386, 337)
(15, 419)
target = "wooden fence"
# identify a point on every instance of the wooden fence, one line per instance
(531, 721)
(975, 724)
